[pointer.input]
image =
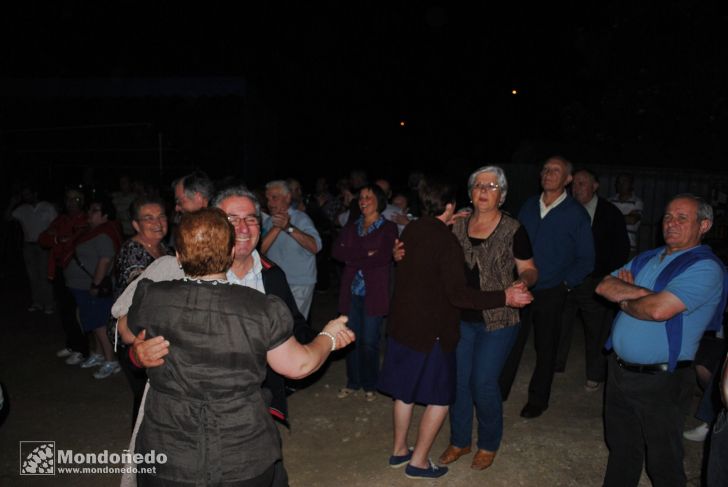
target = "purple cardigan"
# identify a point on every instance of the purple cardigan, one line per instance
(352, 250)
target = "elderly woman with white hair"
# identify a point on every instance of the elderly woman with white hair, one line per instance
(497, 250)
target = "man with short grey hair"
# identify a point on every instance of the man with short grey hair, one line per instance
(668, 298)
(563, 250)
(611, 250)
(192, 192)
(291, 240)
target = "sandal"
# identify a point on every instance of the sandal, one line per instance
(345, 392)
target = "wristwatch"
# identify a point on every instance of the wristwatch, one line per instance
(289, 229)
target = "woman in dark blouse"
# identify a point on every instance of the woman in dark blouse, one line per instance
(497, 251)
(205, 409)
(365, 246)
(149, 220)
(430, 289)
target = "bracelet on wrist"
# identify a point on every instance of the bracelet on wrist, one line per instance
(333, 339)
(132, 357)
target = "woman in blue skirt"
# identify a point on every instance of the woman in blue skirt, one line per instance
(419, 366)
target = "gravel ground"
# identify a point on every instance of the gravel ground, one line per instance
(332, 442)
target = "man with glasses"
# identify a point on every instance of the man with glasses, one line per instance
(563, 249)
(249, 269)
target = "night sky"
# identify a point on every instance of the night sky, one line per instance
(331, 83)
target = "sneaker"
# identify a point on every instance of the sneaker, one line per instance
(431, 472)
(93, 360)
(369, 396)
(592, 385)
(49, 311)
(699, 433)
(107, 369)
(345, 392)
(35, 307)
(396, 461)
(75, 358)
(64, 352)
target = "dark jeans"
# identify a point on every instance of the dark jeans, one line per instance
(66, 306)
(717, 465)
(597, 318)
(362, 361)
(644, 416)
(544, 314)
(480, 355)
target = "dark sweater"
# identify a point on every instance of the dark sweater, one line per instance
(430, 288)
(563, 247)
(611, 241)
(354, 250)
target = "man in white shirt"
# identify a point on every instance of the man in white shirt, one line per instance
(35, 217)
(631, 207)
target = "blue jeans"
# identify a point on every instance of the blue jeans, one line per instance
(480, 356)
(362, 361)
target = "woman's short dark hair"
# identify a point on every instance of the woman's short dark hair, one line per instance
(435, 196)
(105, 205)
(204, 241)
(379, 194)
(136, 206)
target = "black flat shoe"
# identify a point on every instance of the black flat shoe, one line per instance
(532, 411)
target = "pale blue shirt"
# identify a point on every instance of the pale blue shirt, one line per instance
(253, 278)
(699, 288)
(298, 263)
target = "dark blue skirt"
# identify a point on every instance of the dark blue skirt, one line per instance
(417, 377)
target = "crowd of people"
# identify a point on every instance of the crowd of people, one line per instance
(205, 309)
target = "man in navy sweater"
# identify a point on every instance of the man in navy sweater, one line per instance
(563, 248)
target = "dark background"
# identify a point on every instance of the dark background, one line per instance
(315, 88)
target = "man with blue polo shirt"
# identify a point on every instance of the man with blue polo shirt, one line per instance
(668, 297)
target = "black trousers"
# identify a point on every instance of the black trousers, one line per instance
(717, 474)
(596, 315)
(644, 416)
(544, 315)
(137, 379)
(76, 340)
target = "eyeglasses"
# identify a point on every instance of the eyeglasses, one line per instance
(486, 186)
(152, 218)
(250, 220)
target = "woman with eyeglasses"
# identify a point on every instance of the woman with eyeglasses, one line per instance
(87, 266)
(497, 255)
(149, 221)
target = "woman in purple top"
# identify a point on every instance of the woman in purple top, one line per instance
(365, 247)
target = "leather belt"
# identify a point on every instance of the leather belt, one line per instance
(651, 368)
